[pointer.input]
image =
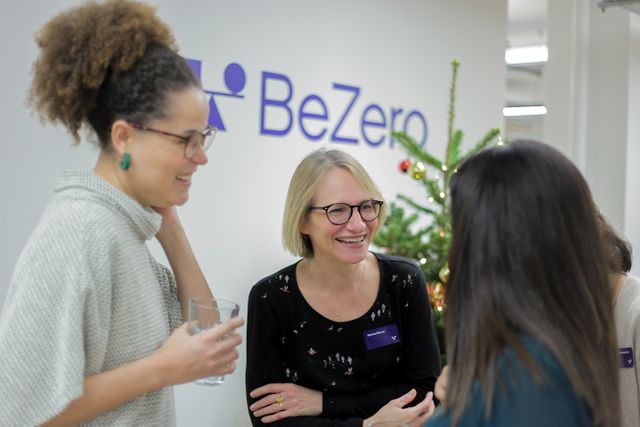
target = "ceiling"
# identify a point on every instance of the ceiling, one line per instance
(527, 25)
(631, 5)
(527, 22)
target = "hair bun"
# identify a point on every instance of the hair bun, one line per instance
(81, 47)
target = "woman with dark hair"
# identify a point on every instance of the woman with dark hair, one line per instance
(626, 291)
(530, 324)
(91, 328)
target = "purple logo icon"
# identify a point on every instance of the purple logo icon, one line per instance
(626, 357)
(235, 80)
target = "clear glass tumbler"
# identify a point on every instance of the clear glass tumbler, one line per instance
(205, 314)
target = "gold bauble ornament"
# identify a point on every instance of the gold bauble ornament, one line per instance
(444, 274)
(417, 171)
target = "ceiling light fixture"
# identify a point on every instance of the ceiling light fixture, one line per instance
(526, 54)
(530, 110)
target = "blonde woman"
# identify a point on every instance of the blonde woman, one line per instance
(337, 335)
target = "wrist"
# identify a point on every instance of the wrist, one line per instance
(170, 235)
(158, 370)
(321, 406)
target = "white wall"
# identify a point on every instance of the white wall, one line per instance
(607, 115)
(632, 190)
(591, 91)
(397, 52)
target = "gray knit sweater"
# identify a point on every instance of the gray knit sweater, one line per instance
(86, 297)
(627, 311)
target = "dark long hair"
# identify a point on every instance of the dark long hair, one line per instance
(620, 259)
(527, 259)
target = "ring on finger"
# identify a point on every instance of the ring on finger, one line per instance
(280, 400)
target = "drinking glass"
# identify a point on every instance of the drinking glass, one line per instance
(205, 314)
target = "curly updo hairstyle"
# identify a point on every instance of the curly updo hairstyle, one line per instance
(101, 62)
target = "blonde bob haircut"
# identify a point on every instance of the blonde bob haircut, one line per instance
(302, 189)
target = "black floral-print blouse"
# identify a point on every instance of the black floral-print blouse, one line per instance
(359, 365)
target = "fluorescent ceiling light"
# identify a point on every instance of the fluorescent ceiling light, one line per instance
(526, 54)
(531, 110)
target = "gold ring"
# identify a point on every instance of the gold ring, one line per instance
(280, 400)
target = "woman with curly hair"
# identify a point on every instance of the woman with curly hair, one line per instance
(91, 328)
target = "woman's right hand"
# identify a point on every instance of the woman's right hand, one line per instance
(184, 358)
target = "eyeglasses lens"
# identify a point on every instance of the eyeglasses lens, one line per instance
(200, 140)
(340, 213)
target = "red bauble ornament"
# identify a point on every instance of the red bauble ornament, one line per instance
(404, 165)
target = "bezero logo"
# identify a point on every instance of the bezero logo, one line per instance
(314, 116)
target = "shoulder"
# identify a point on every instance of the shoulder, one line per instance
(52, 263)
(75, 235)
(550, 400)
(62, 233)
(628, 302)
(82, 217)
(631, 289)
(279, 283)
(397, 265)
(542, 357)
(521, 400)
(401, 275)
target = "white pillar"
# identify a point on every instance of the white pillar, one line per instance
(565, 78)
(632, 192)
(586, 87)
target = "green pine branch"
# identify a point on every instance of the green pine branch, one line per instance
(455, 64)
(486, 141)
(415, 205)
(403, 233)
(414, 150)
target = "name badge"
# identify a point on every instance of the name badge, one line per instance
(380, 337)
(626, 357)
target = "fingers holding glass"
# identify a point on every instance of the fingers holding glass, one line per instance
(206, 314)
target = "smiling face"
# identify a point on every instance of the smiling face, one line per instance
(346, 243)
(160, 175)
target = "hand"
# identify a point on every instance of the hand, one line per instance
(285, 400)
(169, 215)
(171, 230)
(441, 384)
(186, 358)
(395, 411)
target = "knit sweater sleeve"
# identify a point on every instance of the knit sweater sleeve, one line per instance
(43, 324)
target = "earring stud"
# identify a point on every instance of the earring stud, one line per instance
(125, 162)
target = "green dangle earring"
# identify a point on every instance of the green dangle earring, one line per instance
(125, 162)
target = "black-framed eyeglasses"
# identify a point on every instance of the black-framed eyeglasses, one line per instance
(192, 143)
(340, 213)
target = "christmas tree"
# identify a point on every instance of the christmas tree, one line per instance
(404, 232)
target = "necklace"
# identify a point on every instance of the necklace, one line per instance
(339, 312)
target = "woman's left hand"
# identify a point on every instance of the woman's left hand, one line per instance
(169, 215)
(285, 400)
